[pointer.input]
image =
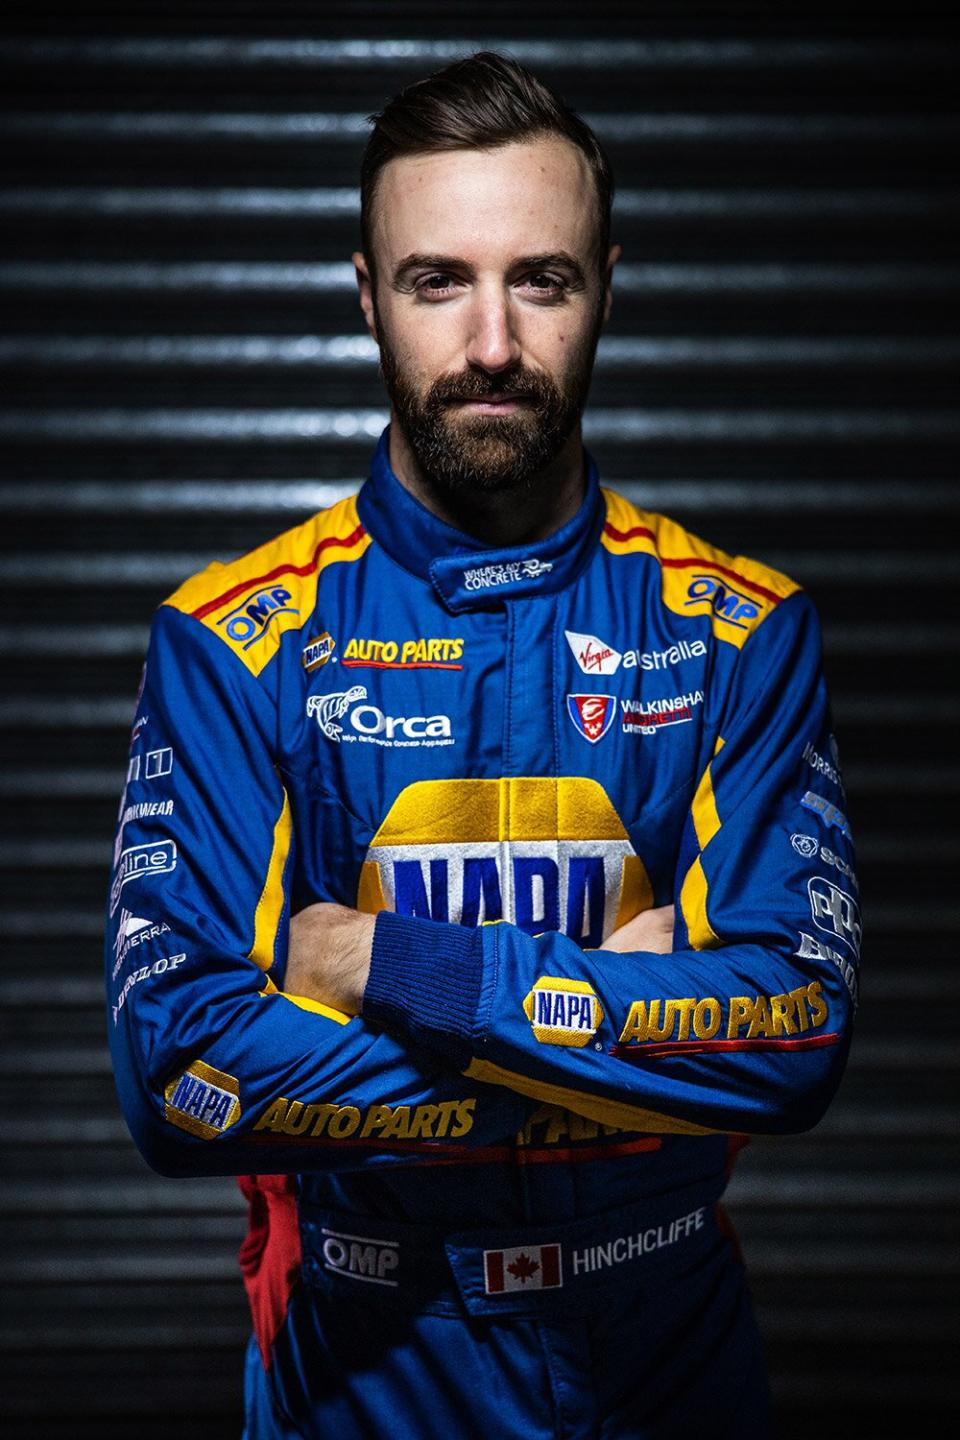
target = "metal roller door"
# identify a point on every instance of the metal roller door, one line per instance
(184, 373)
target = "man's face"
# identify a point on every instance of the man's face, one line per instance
(488, 306)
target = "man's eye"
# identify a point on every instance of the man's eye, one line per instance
(544, 283)
(436, 284)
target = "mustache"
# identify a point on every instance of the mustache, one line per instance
(476, 385)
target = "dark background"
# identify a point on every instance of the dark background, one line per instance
(184, 373)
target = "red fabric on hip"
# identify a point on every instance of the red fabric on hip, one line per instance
(270, 1254)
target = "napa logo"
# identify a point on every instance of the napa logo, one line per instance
(563, 1012)
(726, 603)
(203, 1101)
(318, 651)
(249, 621)
(543, 854)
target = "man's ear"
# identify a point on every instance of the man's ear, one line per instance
(615, 252)
(365, 287)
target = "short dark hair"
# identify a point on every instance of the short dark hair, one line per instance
(479, 103)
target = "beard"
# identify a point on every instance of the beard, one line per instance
(488, 453)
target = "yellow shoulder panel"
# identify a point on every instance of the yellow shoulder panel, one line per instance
(250, 602)
(696, 578)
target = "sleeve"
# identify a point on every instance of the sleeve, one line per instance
(218, 1071)
(746, 1026)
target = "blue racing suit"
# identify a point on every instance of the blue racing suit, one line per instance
(489, 1204)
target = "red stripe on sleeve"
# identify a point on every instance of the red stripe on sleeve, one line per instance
(345, 541)
(687, 562)
(641, 1051)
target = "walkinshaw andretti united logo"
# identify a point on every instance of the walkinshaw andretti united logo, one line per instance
(592, 715)
(542, 853)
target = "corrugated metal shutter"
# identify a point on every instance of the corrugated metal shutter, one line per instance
(184, 373)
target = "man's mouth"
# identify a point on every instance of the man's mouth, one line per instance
(493, 404)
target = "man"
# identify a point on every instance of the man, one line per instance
(422, 796)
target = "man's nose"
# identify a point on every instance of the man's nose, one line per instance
(493, 343)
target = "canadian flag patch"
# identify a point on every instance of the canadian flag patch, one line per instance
(526, 1267)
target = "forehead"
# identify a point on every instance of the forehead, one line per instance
(530, 197)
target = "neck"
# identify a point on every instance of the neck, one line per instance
(503, 518)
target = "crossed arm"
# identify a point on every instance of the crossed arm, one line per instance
(331, 947)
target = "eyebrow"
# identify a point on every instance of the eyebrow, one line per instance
(551, 260)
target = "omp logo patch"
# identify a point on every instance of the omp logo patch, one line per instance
(203, 1101)
(727, 604)
(360, 1257)
(248, 621)
(563, 1012)
(544, 854)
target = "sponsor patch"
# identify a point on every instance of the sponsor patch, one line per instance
(835, 912)
(140, 861)
(813, 949)
(311, 1120)
(592, 715)
(563, 1012)
(146, 972)
(360, 1257)
(832, 858)
(203, 1101)
(809, 848)
(646, 717)
(823, 767)
(317, 652)
(512, 867)
(487, 577)
(594, 656)
(132, 930)
(422, 653)
(144, 810)
(728, 605)
(523, 1267)
(150, 766)
(709, 1022)
(252, 617)
(368, 723)
(827, 811)
(675, 654)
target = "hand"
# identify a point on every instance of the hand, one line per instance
(650, 930)
(329, 956)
